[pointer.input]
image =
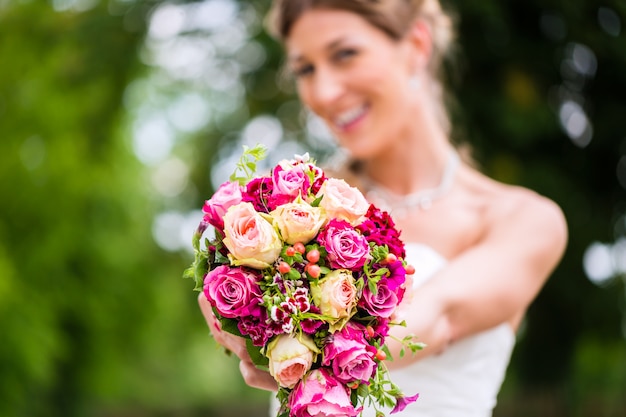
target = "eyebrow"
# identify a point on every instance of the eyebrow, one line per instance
(332, 45)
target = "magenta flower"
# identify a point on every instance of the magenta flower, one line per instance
(258, 192)
(348, 355)
(318, 178)
(234, 292)
(380, 229)
(346, 247)
(310, 326)
(402, 402)
(320, 394)
(381, 328)
(256, 328)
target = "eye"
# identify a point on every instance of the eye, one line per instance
(344, 54)
(303, 71)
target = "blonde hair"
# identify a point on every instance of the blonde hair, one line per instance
(394, 17)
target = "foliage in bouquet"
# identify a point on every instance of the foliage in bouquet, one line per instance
(310, 275)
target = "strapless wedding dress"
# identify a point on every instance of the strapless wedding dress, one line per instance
(462, 381)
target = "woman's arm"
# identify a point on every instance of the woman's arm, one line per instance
(253, 376)
(490, 283)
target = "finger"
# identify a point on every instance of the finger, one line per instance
(206, 309)
(235, 344)
(209, 316)
(257, 378)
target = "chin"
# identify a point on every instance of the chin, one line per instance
(361, 148)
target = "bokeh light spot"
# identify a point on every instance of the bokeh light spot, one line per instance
(598, 263)
(153, 140)
(171, 177)
(575, 123)
(609, 21)
(265, 130)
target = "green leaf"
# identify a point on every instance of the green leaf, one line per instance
(317, 201)
(293, 274)
(385, 349)
(201, 267)
(258, 358)
(189, 272)
(246, 166)
(229, 325)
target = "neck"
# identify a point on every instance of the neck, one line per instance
(414, 163)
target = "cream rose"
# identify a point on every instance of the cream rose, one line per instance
(341, 201)
(250, 237)
(298, 221)
(336, 297)
(290, 358)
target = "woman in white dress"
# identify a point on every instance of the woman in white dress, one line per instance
(482, 249)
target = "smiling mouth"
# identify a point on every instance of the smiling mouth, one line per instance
(348, 118)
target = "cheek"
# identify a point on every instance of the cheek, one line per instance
(305, 94)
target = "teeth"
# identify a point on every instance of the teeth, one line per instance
(349, 116)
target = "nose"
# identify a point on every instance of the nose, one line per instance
(326, 88)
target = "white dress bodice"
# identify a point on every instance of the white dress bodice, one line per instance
(463, 380)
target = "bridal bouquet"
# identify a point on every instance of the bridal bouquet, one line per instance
(310, 275)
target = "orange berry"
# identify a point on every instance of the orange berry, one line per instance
(283, 267)
(381, 355)
(313, 256)
(290, 251)
(299, 247)
(410, 269)
(313, 270)
(390, 258)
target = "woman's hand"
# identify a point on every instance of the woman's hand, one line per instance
(253, 376)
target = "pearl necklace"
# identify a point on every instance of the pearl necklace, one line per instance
(399, 205)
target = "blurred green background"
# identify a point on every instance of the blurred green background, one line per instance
(119, 117)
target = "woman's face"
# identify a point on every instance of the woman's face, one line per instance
(355, 77)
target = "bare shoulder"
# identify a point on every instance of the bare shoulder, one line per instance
(531, 219)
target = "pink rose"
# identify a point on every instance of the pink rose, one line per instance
(346, 247)
(298, 221)
(250, 238)
(290, 180)
(389, 292)
(349, 355)
(290, 358)
(381, 304)
(341, 201)
(320, 394)
(335, 295)
(234, 292)
(227, 195)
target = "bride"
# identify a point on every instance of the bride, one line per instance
(483, 250)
